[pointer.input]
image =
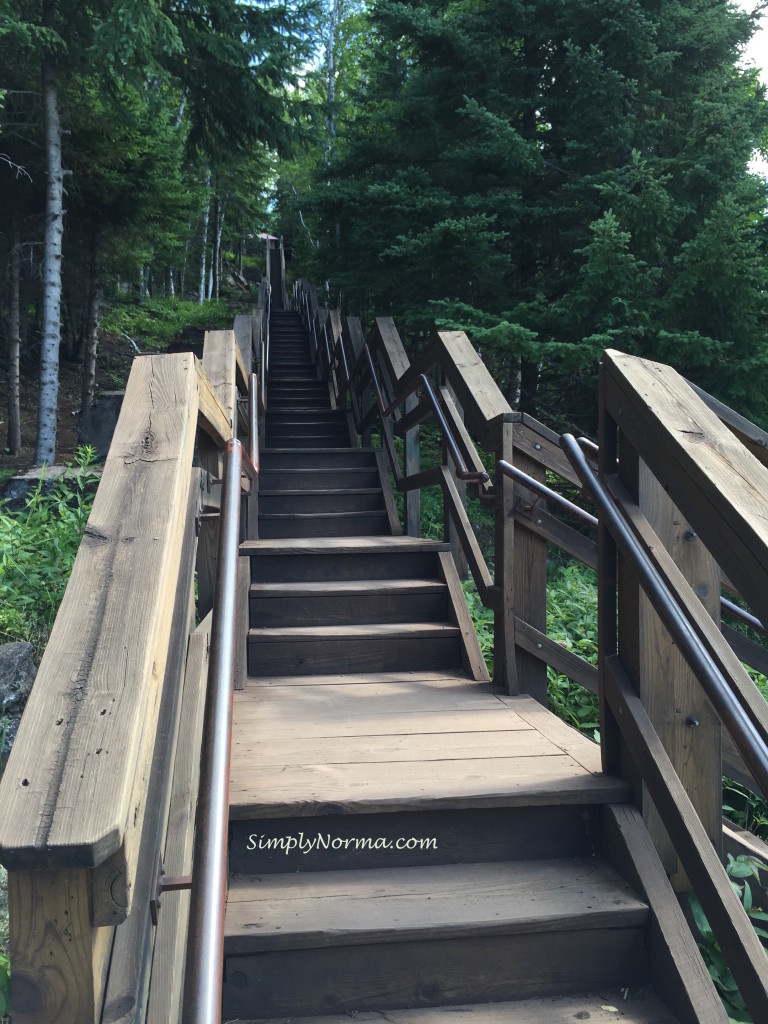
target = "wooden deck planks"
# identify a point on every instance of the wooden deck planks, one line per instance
(403, 742)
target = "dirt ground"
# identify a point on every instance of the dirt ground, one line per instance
(112, 369)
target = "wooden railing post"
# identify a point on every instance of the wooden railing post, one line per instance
(59, 960)
(504, 665)
(672, 696)
(457, 550)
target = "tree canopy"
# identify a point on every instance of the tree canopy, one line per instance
(554, 177)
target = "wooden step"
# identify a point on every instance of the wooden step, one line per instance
(609, 1006)
(304, 441)
(299, 480)
(523, 755)
(343, 940)
(297, 386)
(285, 417)
(349, 499)
(327, 458)
(389, 647)
(348, 601)
(334, 842)
(328, 425)
(294, 560)
(323, 524)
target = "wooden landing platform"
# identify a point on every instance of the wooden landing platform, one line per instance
(402, 741)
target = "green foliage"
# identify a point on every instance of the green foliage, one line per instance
(157, 322)
(746, 809)
(482, 618)
(37, 550)
(740, 870)
(572, 621)
(580, 182)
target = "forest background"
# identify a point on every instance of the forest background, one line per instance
(554, 177)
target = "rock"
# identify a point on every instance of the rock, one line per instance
(97, 424)
(17, 674)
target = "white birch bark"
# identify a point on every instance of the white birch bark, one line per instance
(205, 235)
(14, 348)
(54, 232)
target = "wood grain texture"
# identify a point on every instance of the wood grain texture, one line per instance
(213, 417)
(451, 971)
(529, 575)
(730, 924)
(476, 390)
(220, 366)
(68, 792)
(549, 651)
(597, 1007)
(333, 908)
(113, 879)
(59, 960)
(471, 655)
(422, 749)
(243, 328)
(167, 977)
(679, 974)
(716, 483)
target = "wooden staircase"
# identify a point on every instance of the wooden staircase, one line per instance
(405, 841)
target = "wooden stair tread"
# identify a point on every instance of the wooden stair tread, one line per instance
(397, 711)
(349, 587)
(340, 545)
(386, 630)
(334, 908)
(301, 492)
(613, 1006)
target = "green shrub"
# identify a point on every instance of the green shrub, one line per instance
(37, 549)
(740, 870)
(572, 622)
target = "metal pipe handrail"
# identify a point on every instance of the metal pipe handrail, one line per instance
(462, 472)
(546, 492)
(744, 616)
(591, 450)
(726, 703)
(205, 937)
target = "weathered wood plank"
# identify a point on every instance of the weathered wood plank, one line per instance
(716, 483)
(597, 1008)
(243, 328)
(678, 971)
(728, 920)
(552, 653)
(221, 367)
(152, 790)
(213, 418)
(529, 578)
(299, 911)
(472, 658)
(59, 959)
(568, 739)
(68, 792)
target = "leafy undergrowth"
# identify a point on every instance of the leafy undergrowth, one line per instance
(157, 322)
(740, 870)
(37, 549)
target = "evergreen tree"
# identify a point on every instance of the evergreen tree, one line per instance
(556, 177)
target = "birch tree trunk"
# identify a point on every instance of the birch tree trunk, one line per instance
(205, 236)
(92, 332)
(14, 347)
(54, 232)
(213, 274)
